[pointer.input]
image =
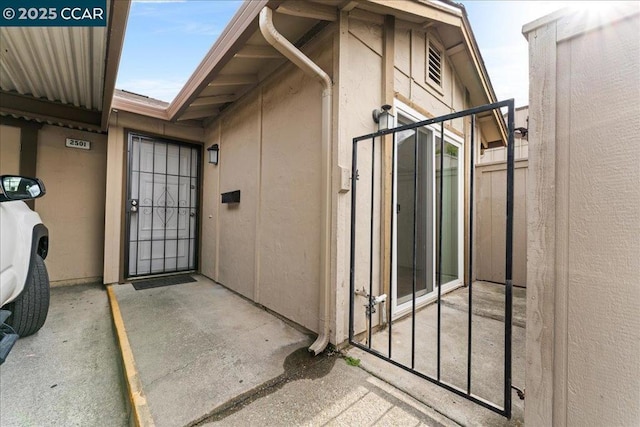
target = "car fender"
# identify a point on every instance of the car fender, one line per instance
(22, 237)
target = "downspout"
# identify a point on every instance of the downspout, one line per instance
(293, 54)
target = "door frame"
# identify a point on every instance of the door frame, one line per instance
(128, 133)
(399, 310)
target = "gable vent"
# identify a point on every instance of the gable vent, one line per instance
(435, 65)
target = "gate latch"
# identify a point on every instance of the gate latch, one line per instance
(372, 300)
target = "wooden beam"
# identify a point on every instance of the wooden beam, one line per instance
(431, 12)
(198, 113)
(308, 10)
(212, 100)
(258, 52)
(234, 80)
(348, 5)
(19, 123)
(460, 47)
(49, 111)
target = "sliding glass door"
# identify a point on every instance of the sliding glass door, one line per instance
(416, 214)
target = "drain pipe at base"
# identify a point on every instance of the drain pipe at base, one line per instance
(293, 54)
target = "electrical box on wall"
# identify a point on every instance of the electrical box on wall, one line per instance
(345, 179)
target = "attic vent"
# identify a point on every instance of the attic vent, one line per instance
(435, 65)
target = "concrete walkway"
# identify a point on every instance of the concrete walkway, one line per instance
(206, 356)
(198, 346)
(198, 354)
(68, 373)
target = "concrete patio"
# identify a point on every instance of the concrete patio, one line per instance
(199, 354)
(487, 366)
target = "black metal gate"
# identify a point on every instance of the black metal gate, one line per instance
(367, 237)
(162, 206)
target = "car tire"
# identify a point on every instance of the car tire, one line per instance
(29, 310)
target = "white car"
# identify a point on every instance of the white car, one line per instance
(24, 242)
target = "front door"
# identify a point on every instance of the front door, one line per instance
(162, 206)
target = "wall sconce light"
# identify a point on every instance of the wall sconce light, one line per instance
(214, 154)
(383, 117)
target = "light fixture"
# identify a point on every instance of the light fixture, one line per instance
(214, 154)
(383, 117)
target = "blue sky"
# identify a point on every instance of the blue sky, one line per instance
(166, 40)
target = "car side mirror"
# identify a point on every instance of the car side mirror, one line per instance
(16, 187)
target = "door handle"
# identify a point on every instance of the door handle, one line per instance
(133, 205)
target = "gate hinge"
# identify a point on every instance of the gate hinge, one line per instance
(519, 392)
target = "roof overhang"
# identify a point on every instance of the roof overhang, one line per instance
(62, 75)
(240, 59)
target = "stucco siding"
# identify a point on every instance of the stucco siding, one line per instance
(73, 208)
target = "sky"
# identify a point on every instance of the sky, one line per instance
(165, 41)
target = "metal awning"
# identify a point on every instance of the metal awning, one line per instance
(62, 75)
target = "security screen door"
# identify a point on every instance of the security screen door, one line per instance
(162, 206)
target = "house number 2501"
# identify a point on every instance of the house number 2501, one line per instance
(78, 143)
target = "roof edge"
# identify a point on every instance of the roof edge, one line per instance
(243, 18)
(482, 70)
(118, 17)
(135, 107)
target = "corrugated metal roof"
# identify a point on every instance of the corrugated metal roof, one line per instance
(62, 74)
(63, 64)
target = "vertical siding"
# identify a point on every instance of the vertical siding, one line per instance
(267, 246)
(239, 170)
(363, 92)
(583, 328)
(491, 190)
(602, 183)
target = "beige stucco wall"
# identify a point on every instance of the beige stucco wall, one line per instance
(73, 208)
(583, 289)
(120, 123)
(9, 150)
(267, 247)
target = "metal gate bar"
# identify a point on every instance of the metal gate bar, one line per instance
(505, 410)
